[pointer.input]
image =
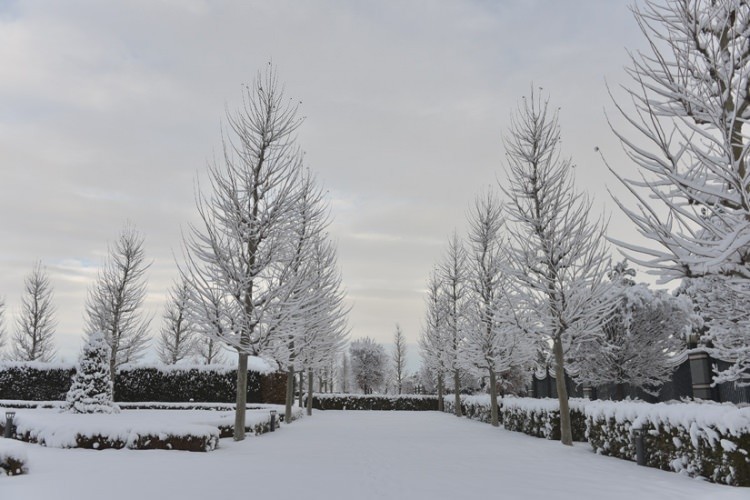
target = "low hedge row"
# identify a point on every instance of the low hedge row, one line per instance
(707, 440)
(206, 441)
(401, 402)
(535, 417)
(177, 383)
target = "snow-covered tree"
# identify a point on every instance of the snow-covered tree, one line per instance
(432, 338)
(35, 325)
(691, 142)
(91, 387)
(177, 337)
(324, 329)
(557, 256)
(723, 304)
(496, 342)
(399, 357)
(368, 359)
(3, 340)
(208, 351)
(640, 338)
(345, 372)
(115, 301)
(237, 256)
(455, 285)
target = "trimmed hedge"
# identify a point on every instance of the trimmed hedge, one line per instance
(712, 441)
(206, 441)
(35, 381)
(535, 417)
(176, 383)
(402, 402)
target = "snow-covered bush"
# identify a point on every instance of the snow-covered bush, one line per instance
(406, 402)
(708, 440)
(91, 388)
(535, 417)
(13, 461)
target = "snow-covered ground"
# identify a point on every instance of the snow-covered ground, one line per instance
(356, 455)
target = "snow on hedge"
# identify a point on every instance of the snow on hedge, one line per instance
(133, 429)
(726, 418)
(37, 365)
(254, 364)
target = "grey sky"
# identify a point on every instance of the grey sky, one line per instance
(109, 110)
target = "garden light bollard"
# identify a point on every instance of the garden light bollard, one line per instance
(273, 420)
(9, 415)
(640, 451)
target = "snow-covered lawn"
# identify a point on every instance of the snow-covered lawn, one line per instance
(356, 455)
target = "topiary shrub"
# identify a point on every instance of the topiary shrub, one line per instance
(91, 388)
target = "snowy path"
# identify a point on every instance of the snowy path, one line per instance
(357, 455)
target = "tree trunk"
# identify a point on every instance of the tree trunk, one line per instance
(289, 395)
(301, 385)
(239, 412)
(457, 392)
(309, 391)
(493, 398)
(566, 434)
(619, 392)
(441, 392)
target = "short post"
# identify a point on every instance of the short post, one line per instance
(9, 415)
(640, 450)
(273, 420)
(587, 393)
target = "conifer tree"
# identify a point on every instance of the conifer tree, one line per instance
(91, 388)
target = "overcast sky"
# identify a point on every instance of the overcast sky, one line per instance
(109, 111)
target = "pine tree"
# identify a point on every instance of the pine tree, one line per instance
(91, 388)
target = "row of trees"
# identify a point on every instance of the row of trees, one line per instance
(259, 273)
(529, 288)
(121, 289)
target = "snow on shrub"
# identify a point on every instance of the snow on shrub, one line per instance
(91, 388)
(13, 461)
(535, 417)
(190, 430)
(708, 440)
(396, 402)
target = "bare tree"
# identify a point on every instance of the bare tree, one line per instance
(454, 276)
(237, 257)
(432, 339)
(497, 342)
(344, 372)
(399, 357)
(208, 351)
(558, 258)
(35, 325)
(368, 364)
(114, 302)
(640, 338)
(692, 106)
(177, 337)
(324, 329)
(3, 340)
